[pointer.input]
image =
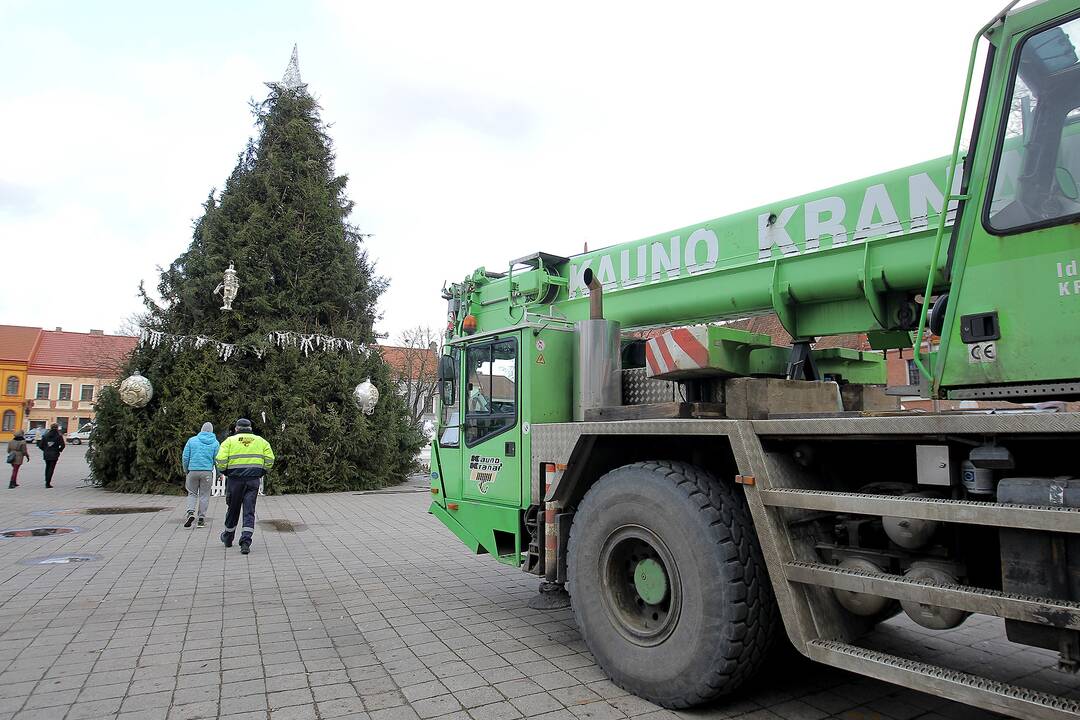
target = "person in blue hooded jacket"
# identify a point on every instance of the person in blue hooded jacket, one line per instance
(199, 453)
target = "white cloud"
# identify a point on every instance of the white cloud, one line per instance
(472, 133)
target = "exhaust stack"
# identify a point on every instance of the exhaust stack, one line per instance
(597, 356)
(596, 295)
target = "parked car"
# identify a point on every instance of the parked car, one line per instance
(80, 436)
(34, 434)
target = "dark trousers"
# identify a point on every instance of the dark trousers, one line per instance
(50, 465)
(241, 494)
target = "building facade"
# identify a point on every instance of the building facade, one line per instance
(54, 376)
(17, 347)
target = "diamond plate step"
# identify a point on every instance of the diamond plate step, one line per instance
(974, 512)
(1043, 611)
(933, 679)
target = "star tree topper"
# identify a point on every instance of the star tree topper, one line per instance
(291, 79)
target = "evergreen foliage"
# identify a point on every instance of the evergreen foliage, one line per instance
(282, 220)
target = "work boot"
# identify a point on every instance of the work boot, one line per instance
(245, 548)
(226, 539)
(202, 523)
(190, 520)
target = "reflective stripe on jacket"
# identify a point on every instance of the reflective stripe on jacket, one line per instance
(244, 455)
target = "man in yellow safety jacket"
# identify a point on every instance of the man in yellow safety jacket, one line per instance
(243, 459)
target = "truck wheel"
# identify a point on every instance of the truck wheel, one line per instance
(668, 584)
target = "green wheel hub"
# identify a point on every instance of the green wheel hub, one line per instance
(650, 581)
(641, 590)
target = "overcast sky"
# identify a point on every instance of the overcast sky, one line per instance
(472, 132)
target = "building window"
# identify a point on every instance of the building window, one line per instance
(84, 423)
(37, 424)
(63, 423)
(9, 421)
(86, 393)
(65, 391)
(12, 385)
(42, 391)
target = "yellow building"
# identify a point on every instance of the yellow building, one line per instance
(17, 347)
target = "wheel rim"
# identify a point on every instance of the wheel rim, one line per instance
(641, 592)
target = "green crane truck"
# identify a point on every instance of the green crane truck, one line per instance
(689, 485)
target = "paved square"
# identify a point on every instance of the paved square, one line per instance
(367, 608)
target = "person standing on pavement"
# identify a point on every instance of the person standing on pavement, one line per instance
(199, 454)
(17, 455)
(244, 458)
(51, 445)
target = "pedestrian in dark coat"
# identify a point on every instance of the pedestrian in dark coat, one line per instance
(51, 444)
(17, 455)
(244, 459)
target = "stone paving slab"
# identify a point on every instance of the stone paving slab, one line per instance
(370, 611)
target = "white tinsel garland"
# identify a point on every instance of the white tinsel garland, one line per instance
(306, 343)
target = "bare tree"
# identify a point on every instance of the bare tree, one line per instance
(106, 355)
(133, 323)
(416, 366)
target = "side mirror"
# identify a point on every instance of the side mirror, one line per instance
(448, 393)
(447, 367)
(447, 380)
(1067, 183)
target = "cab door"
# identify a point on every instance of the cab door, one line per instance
(1014, 308)
(491, 427)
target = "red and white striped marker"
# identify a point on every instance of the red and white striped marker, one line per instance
(677, 350)
(552, 473)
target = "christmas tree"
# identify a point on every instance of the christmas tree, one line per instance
(295, 343)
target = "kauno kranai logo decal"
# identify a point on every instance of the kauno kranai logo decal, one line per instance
(483, 470)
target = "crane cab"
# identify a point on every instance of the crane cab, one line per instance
(493, 387)
(1011, 326)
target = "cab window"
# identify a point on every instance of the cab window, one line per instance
(490, 399)
(1038, 158)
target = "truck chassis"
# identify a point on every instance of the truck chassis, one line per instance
(782, 494)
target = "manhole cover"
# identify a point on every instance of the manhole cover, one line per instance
(37, 532)
(73, 559)
(281, 525)
(120, 510)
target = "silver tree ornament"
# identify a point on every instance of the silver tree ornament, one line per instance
(228, 288)
(136, 391)
(366, 396)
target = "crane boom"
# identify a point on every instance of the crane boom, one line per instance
(845, 259)
(815, 247)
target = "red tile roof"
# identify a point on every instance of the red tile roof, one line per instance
(411, 361)
(61, 352)
(18, 342)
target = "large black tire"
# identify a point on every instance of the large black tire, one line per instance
(716, 623)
